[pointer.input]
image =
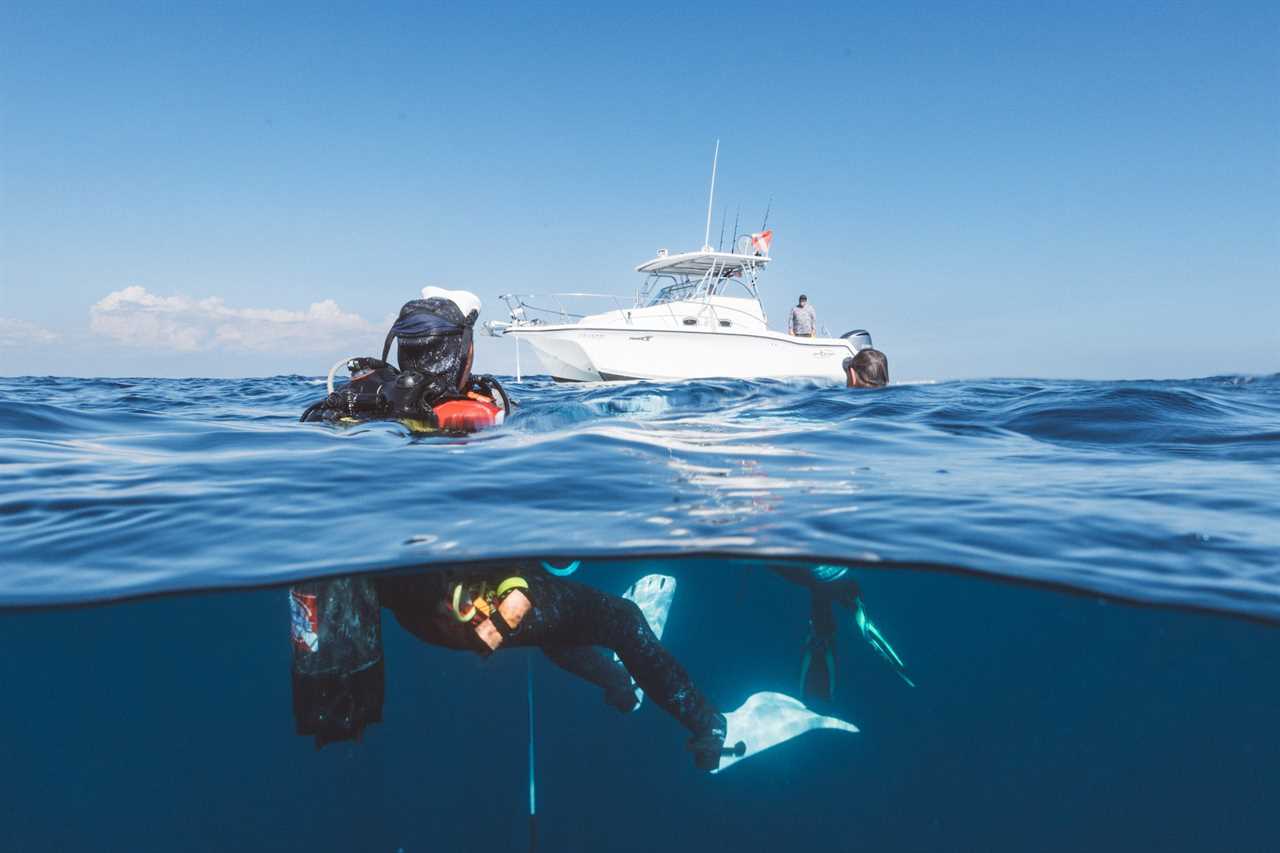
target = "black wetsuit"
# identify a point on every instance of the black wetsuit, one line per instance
(826, 589)
(823, 593)
(572, 623)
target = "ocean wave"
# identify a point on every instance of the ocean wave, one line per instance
(1157, 491)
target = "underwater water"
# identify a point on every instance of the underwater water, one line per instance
(1083, 579)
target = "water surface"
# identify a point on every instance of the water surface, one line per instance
(1157, 491)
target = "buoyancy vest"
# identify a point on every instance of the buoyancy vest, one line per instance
(469, 415)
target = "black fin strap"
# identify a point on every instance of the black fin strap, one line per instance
(500, 624)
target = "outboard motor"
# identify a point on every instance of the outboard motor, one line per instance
(338, 677)
(860, 338)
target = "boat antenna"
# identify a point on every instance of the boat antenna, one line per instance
(736, 217)
(706, 237)
(768, 208)
(723, 216)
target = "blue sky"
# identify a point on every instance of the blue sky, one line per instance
(993, 189)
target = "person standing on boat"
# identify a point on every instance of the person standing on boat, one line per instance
(803, 322)
(868, 369)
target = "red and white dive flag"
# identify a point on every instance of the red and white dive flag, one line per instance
(760, 242)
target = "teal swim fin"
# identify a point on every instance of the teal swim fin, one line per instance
(878, 642)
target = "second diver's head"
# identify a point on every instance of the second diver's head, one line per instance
(869, 368)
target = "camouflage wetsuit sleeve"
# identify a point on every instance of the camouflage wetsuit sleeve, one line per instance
(566, 621)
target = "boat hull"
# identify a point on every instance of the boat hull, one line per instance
(576, 354)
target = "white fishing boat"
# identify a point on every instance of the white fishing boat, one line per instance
(697, 315)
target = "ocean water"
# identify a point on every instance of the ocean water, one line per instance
(1083, 579)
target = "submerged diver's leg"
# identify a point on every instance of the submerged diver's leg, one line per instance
(593, 664)
(837, 583)
(566, 613)
(817, 670)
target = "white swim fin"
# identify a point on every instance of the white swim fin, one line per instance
(768, 719)
(653, 595)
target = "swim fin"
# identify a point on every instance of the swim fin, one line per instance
(653, 594)
(765, 720)
(878, 642)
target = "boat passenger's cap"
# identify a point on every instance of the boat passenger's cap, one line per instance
(466, 301)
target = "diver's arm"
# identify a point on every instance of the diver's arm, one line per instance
(593, 664)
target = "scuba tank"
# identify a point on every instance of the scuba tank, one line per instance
(361, 398)
(338, 678)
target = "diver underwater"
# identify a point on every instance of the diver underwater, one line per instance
(612, 642)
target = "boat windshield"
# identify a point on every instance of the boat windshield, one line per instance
(674, 293)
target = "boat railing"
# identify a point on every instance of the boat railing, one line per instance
(554, 308)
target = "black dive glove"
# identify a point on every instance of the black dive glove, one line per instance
(847, 364)
(708, 746)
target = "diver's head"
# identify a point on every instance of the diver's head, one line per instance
(435, 336)
(869, 368)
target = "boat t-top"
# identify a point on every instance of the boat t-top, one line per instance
(697, 316)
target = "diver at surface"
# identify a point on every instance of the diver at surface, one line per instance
(869, 368)
(338, 682)
(829, 586)
(433, 388)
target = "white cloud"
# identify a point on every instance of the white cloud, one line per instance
(18, 333)
(136, 317)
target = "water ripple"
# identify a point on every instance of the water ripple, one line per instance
(1159, 491)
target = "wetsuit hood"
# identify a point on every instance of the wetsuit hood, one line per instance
(434, 338)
